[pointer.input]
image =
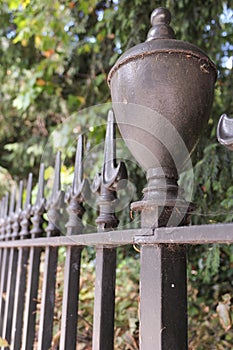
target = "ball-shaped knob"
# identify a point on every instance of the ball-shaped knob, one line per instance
(160, 20)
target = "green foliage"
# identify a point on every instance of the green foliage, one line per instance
(54, 60)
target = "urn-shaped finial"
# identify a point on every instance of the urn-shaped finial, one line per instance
(162, 92)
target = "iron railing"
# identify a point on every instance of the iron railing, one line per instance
(26, 236)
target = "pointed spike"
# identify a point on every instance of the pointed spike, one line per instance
(6, 205)
(2, 208)
(20, 197)
(40, 192)
(78, 167)
(110, 143)
(12, 201)
(57, 176)
(28, 192)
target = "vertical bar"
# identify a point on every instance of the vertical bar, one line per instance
(48, 299)
(104, 305)
(163, 279)
(13, 253)
(17, 323)
(103, 331)
(163, 298)
(75, 198)
(70, 299)
(1, 232)
(50, 263)
(4, 267)
(31, 298)
(22, 264)
(34, 268)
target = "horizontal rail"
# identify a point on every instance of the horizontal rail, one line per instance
(198, 234)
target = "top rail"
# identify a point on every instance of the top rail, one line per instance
(198, 234)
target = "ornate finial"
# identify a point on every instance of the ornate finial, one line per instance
(2, 217)
(20, 198)
(40, 193)
(18, 210)
(225, 131)
(27, 203)
(112, 173)
(10, 214)
(26, 213)
(75, 194)
(160, 20)
(80, 185)
(39, 206)
(56, 200)
(6, 205)
(5, 213)
(57, 179)
(107, 182)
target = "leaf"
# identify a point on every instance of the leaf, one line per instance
(223, 310)
(4, 342)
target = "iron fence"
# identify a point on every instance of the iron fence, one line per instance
(30, 234)
(26, 236)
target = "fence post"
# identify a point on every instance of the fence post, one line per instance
(162, 92)
(163, 279)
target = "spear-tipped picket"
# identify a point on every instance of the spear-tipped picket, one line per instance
(77, 193)
(26, 213)
(5, 213)
(11, 213)
(55, 202)
(18, 211)
(108, 182)
(40, 193)
(111, 176)
(75, 197)
(2, 204)
(112, 173)
(39, 206)
(78, 180)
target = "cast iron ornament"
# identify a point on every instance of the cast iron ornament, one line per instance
(109, 181)
(173, 78)
(162, 92)
(225, 131)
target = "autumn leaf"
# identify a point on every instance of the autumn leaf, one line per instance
(48, 53)
(4, 342)
(223, 310)
(40, 82)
